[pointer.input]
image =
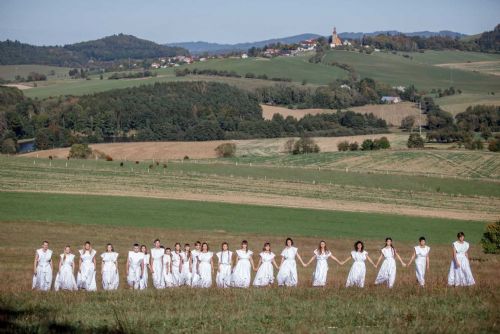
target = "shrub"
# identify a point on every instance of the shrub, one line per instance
(305, 145)
(9, 146)
(343, 146)
(367, 145)
(353, 146)
(494, 144)
(491, 238)
(108, 158)
(80, 151)
(226, 150)
(186, 157)
(415, 141)
(288, 147)
(382, 143)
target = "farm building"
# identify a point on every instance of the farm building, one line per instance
(26, 145)
(390, 99)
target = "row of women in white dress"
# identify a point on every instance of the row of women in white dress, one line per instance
(195, 268)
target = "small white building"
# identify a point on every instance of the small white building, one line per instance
(244, 56)
(390, 99)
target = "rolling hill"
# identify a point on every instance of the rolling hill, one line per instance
(109, 48)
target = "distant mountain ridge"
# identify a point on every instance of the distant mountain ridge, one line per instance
(110, 48)
(202, 47)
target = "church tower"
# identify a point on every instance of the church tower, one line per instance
(335, 39)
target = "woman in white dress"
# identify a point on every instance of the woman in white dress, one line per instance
(287, 275)
(242, 272)
(168, 279)
(460, 272)
(187, 266)
(42, 268)
(265, 273)
(357, 273)
(65, 279)
(205, 265)
(87, 268)
(195, 277)
(145, 276)
(321, 254)
(135, 267)
(421, 257)
(156, 265)
(177, 263)
(224, 266)
(387, 272)
(110, 278)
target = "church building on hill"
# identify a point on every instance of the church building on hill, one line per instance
(335, 39)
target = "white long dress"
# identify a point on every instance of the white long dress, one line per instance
(357, 273)
(421, 263)
(223, 278)
(461, 276)
(135, 259)
(287, 275)
(145, 275)
(195, 277)
(157, 256)
(265, 273)
(319, 275)
(186, 276)
(43, 278)
(110, 277)
(176, 263)
(168, 278)
(204, 269)
(86, 275)
(241, 276)
(65, 279)
(387, 272)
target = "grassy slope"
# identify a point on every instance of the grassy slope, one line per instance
(456, 104)
(9, 72)
(446, 57)
(202, 216)
(396, 70)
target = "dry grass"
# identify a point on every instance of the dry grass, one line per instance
(406, 308)
(487, 67)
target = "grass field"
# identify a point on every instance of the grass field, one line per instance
(9, 72)
(456, 104)
(397, 70)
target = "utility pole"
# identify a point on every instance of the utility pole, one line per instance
(419, 119)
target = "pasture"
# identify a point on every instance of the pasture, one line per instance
(9, 72)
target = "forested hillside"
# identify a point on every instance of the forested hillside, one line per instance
(109, 48)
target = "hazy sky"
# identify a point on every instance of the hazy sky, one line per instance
(48, 22)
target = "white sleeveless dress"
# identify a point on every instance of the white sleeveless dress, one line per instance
(65, 279)
(43, 279)
(357, 273)
(145, 275)
(223, 278)
(195, 277)
(265, 273)
(241, 275)
(421, 263)
(461, 276)
(110, 277)
(168, 278)
(287, 275)
(387, 272)
(176, 263)
(86, 275)
(157, 256)
(134, 270)
(319, 275)
(205, 269)
(186, 275)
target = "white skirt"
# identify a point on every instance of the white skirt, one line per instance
(143, 283)
(43, 279)
(65, 280)
(241, 274)
(387, 273)
(287, 275)
(223, 278)
(319, 275)
(420, 266)
(176, 276)
(205, 275)
(265, 275)
(460, 276)
(356, 275)
(110, 278)
(85, 279)
(158, 282)
(134, 277)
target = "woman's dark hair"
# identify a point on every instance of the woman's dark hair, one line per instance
(319, 247)
(144, 247)
(356, 245)
(87, 242)
(460, 234)
(421, 239)
(286, 241)
(244, 242)
(266, 244)
(112, 248)
(188, 253)
(387, 239)
(208, 248)
(222, 245)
